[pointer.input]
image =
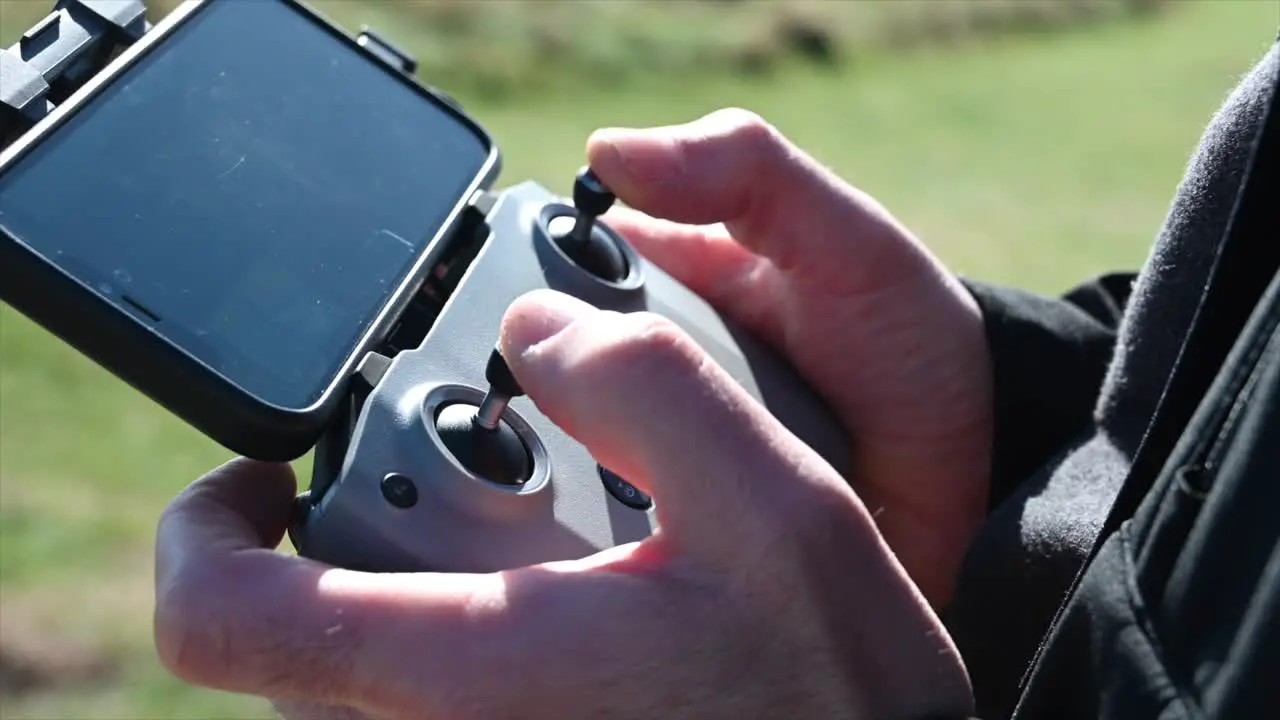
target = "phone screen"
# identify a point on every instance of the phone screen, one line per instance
(253, 188)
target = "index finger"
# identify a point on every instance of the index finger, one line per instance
(711, 263)
(732, 167)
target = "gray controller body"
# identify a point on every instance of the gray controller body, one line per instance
(452, 521)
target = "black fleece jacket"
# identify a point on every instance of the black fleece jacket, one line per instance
(1078, 379)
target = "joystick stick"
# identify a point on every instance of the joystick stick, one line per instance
(594, 251)
(479, 439)
(502, 388)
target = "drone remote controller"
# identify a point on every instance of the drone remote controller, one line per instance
(444, 465)
(436, 460)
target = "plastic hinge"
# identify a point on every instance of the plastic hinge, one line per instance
(398, 59)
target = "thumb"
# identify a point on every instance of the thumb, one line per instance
(732, 167)
(648, 403)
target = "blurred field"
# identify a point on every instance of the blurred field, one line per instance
(521, 48)
(1035, 158)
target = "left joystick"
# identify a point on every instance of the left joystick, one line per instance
(502, 388)
(478, 437)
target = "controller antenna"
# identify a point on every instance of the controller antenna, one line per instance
(592, 199)
(502, 388)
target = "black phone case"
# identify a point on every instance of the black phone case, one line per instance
(148, 362)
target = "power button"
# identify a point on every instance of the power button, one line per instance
(625, 492)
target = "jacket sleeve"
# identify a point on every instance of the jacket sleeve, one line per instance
(1049, 359)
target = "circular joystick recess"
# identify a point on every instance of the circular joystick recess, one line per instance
(497, 455)
(593, 251)
(598, 256)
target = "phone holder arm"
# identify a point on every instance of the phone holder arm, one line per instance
(79, 38)
(59, 54)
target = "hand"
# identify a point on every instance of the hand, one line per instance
(767, 592)
(868, 316)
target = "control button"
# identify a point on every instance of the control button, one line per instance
(399, 491)
(625, 492)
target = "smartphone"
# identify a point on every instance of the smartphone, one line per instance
(231, 215)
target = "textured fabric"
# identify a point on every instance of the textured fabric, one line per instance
(1169, 288)
(1022, 563)
(1075, 339)
(1178, 616)
(1077, 382)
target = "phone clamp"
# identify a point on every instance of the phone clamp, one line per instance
(79, 38)
(61, 53)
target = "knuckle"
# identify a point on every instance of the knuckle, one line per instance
(738, 119)
(188, 631)
(750, 129)
(647, 341)
(626, 355)
(208, 633)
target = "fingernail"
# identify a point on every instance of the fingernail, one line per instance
(649, 155)
(536, 317)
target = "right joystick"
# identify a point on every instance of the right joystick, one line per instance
(593, 251)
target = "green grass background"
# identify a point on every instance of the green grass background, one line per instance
(1031, 157)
